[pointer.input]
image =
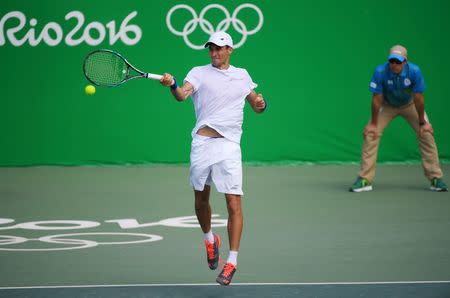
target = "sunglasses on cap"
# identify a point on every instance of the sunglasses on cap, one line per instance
(395, 61)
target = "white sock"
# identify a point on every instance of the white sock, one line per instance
(209, 237)
(232, 257)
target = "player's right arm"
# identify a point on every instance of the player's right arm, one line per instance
(377, 99)
(180, 93)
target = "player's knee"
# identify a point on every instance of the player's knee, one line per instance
(201, 204)
(201, 197)
(234, 204)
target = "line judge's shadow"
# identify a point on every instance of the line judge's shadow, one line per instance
(396, 187)
(381, 186)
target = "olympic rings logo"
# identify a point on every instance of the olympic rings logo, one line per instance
(208, 28)
(63, 239)
(73, 241)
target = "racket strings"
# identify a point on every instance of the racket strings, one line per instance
(105, 68)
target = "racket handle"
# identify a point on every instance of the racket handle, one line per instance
(154, 76)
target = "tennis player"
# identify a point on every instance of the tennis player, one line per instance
(397, 87)
(218, 91)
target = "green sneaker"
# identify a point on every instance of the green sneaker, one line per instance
(438, 185)
(361, 184)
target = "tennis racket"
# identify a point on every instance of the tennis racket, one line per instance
(108, 69)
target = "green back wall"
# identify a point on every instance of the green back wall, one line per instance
(313, 61)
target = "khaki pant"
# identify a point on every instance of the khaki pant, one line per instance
(427, 145)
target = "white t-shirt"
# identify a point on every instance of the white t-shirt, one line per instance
(219, 98)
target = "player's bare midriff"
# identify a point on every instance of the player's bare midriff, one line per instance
(209, 132)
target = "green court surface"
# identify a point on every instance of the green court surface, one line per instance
(132, 232)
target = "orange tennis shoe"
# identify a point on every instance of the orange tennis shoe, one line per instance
(212, 252)
(226, 275)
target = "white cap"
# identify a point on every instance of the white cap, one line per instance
(220, 39)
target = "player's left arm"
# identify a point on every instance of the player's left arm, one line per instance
(420, 107)
(257, 102)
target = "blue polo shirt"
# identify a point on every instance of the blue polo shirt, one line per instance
(397, 89)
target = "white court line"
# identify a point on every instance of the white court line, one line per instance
(236, 284)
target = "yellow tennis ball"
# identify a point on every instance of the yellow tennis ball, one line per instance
(90, 90)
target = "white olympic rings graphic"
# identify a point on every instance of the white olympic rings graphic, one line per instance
(79, 243)
(208, 28)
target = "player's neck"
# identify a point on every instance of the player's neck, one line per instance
(223, 66)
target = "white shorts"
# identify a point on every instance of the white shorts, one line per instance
(217, 160)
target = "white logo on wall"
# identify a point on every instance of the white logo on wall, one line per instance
(52, 34)
(69, 242)
(208, 28)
